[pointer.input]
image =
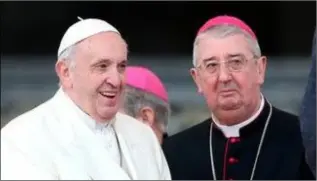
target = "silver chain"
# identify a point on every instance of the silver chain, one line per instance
(258, 152)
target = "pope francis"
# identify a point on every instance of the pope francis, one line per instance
(78, 134)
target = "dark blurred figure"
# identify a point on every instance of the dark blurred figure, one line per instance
(308, 113)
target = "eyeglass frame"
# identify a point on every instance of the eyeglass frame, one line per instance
(203, 65)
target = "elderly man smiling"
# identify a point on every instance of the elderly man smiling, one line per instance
(79, 134)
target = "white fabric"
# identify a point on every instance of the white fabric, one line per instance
(82, 30)
(104, 132)
(234, 130)
(52, 141)
(107, 136)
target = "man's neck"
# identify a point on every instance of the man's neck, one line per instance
(76, 100)
(233, 130)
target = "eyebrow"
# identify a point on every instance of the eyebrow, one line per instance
(107, 61)
(103, 60)
(209, 59)
(123, 61)
(235, 55)
(227, 56)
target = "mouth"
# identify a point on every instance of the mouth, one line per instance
(109, 95)
(227, 92)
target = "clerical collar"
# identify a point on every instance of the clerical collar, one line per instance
(234, 130)
(89, 121)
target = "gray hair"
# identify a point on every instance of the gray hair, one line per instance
(135, 99)
(222, 31)
(67, 55)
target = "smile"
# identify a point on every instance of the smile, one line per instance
(109, 95)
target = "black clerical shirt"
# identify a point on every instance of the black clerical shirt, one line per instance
(281, 156)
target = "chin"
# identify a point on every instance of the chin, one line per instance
(108, 113)
(229, 104)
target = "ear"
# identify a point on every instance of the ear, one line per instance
(63, 72)
(147, 116)
(196, 78)
(261, 68)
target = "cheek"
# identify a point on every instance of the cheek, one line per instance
(208, 86)
(80, 78)
(84, 81)
(260, 79)
(73, 77)
(246, 83)
(123, 79)
(96, 82)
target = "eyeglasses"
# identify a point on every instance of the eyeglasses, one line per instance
(236, 64)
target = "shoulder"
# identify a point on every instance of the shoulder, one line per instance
(192, 135)
(285, 124)
(134, 129)
(131, 124)
(285, 119)
(25, 126)
(139, 136)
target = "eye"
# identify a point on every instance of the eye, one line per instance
(103, 66)
(122, 67)
(237, 61)
(236, 64)
(211, 65)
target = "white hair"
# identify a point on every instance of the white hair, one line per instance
(225, 30)
(68, 55)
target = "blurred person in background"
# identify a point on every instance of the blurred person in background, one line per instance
(79, 134)
(308, 113)
(146, 99)
(245, 137)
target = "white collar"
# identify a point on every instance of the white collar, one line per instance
(234, 130)
(89, 121)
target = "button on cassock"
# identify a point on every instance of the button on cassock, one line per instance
(233, 160)
(234, 140)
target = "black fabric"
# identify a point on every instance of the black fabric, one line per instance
(281, 157)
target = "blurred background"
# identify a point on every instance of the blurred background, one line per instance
(160, 36)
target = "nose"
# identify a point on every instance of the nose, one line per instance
(114, 78)
(224, 73)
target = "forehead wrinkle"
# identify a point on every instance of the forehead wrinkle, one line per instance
(240, 51)
(86, 47)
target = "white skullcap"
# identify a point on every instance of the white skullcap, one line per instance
(82, 30)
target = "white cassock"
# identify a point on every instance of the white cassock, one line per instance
(56, 140)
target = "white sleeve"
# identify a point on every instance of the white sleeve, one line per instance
(161, 160)
(165, 171)
(16, 166)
